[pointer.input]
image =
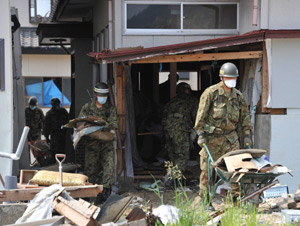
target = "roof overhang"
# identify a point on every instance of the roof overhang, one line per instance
(133, 55)
(63, 33)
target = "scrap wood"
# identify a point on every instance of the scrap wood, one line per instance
(79, 212)
(28, 194)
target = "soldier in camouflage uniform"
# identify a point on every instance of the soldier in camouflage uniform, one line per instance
(34, 119)
(95, 150)
(177, 121)
(54, 132)
(222, 119)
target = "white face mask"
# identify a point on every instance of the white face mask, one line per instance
(101, 100)
(230, 83)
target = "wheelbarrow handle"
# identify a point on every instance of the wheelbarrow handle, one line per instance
(208, 152)
(60, 156)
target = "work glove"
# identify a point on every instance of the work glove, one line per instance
(247, 142)
(201, 141)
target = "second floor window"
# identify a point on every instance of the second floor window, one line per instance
(181, 17)
(39, 11)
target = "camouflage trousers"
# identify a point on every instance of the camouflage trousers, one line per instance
(99, 163)
(178, 147)
(33, 136)
(218, 146)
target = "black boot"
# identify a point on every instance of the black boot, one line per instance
(101, 198)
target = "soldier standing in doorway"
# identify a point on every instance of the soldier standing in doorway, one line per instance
(177, 121)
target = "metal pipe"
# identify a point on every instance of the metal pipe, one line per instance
(255, 12)
(110, 23)
(17, 155)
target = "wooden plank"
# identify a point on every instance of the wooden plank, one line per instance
(201, 57)
(173, 79)
(265, 80)
(28, 194)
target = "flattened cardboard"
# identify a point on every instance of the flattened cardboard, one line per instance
(237, 162)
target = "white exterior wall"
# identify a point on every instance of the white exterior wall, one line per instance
(34, 65)
(285, 146)
(246, 17)
(23, 11)
(6, 113)
(280, 14)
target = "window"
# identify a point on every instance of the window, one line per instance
(47, 88)
(39, 11)
(181, 18)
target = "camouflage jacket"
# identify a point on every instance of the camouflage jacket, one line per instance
(180, 111)
(225, 114)
(34, 119)
(107, 112)
(54, 120)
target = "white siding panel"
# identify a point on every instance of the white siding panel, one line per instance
(167, 40)
(285, 74)
(46, 65)
(284, 14)
(285, 147)
(134, 41)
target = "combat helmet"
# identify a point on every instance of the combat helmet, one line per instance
(229, 70)
(55, 101)
(182, 86)
(32, 101)
(101, 88)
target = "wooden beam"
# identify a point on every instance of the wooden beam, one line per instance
(28, 194)
(265, 80)
(201, 57)
(173, 79)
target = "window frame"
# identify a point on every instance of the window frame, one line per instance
(41, 105)
(180, 31)
(34, 19)
(2, 65)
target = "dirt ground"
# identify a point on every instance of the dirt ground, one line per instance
(269, 210)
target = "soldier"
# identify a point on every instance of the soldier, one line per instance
(222, 119)
(177, 121)
(34, 119)
(55, 119)
(95, 150)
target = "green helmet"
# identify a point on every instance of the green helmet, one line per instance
(32, 101)
(55, 101)
(229, 70)
(101, 88)
(181, 87)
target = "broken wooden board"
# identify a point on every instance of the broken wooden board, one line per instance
(80, 212)
(28, 194)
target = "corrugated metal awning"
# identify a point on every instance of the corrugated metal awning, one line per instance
(191, 47)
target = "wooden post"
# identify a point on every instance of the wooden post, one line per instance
(156, 83)
(265, 80)
(173, 79)
(120, 72)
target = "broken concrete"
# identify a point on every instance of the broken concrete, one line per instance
(10, 213)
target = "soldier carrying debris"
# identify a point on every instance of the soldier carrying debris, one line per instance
(34, 119)
(222, 119)
(95, 150)
(177, 121)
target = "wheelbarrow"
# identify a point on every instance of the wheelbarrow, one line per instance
(41, 151)
(249, 182)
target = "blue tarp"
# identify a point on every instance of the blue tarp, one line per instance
(50, 91)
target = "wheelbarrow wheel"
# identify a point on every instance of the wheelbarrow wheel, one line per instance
(44, 160)
(250, 188)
